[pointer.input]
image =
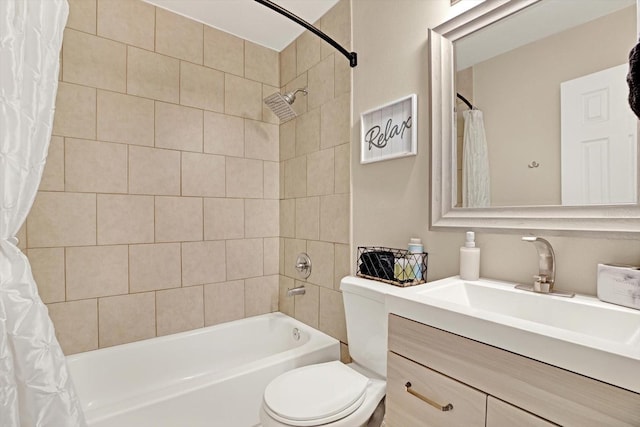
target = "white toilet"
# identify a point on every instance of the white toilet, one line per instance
(334, 394)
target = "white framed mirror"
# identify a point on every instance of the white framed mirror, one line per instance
(513, 60)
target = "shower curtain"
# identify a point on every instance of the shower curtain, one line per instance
(35, 387)
(475, 162)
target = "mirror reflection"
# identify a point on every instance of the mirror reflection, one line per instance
(550, 123)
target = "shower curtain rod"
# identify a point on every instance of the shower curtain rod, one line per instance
(351, 56)
(465, 100)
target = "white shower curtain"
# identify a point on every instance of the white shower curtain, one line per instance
(476, 191)
(35, 387)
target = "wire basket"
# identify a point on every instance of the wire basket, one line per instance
(397, 267)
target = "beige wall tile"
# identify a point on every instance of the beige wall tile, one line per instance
(223, 302)
(307, 306)
(203, 175)
(345, 357)
(335, 126)
(292, 247)
(332, 319)
(178, 127)
(261, 295)
(94, 166)
(62, 219)
(154, 171)
(322, 257)
(271, 256)
(126, 318)
(153, 267)
(295, 177)
(334, 218)
(76, 325)
(271, 180)
(129, 21)
(223, 134)
(308, 133)
(125, 118)
(75, 114)
(261, 64)
(288, 218)
(82, 15)
(125, 219)
(342, 168)
(223, 219)
(223, 51)
(281, 256)
(152, 75)
(337, 22)
(342, 83)
(178, 36)
(97, 271)
(288, 140)
(308, 218)
(286, 304)
(267, 114)
(244, 178)
(320, 173)
(321, 82)
(242, 97)
(201, 87)
(261, 140)
(342, 264)
(94, 61)
(203, 262)
(178, 219)
(288, 64)
(245, 258)
(261, 218)
(307, 51)
(53, 173)
(47, 266)
(179, 310)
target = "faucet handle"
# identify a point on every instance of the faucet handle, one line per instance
(542, 284)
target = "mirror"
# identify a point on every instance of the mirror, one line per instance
(530, 169)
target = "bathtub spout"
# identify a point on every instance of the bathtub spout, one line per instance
(300, 290)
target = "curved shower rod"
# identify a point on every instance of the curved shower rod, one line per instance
(351, 56)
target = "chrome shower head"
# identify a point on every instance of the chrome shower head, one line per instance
(281, 104)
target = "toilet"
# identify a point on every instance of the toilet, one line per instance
(335, 394)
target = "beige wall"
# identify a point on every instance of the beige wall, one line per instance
(159, 207)
(391, 199)
(314, 154)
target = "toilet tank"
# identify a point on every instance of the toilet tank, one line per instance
(366, 317)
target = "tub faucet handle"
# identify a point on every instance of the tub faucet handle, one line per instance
(303, 265)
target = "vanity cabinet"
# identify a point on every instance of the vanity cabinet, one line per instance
(491, 387)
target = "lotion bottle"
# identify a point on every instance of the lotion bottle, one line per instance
(470, 258)
(415, 250)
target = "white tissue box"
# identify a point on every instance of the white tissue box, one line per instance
(619, 284)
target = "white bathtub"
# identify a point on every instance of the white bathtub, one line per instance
(211, 377)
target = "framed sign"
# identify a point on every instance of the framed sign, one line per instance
(389, 131)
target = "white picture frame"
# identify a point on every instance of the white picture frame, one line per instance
(389, 131)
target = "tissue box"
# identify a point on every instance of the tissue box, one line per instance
(619, 284)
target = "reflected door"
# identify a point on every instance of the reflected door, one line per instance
(598, 140)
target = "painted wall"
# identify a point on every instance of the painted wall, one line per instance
(391, 199)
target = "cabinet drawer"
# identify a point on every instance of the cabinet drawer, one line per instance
(501, 414)
(406, 410)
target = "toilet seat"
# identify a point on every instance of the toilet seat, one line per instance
(315, 394)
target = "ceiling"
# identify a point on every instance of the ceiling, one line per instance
(250, 20)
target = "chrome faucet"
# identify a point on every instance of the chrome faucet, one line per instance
(546, 277)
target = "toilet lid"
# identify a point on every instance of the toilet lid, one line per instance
(315, 394)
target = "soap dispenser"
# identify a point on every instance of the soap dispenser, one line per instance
(470, 258)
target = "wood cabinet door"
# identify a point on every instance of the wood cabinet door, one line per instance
(501, 414)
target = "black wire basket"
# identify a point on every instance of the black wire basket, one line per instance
(397, 267)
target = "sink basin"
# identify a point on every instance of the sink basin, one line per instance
(580, 334)
(586, 316)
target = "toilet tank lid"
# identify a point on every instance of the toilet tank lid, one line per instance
(367, 288)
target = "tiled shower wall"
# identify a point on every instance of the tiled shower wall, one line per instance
(315, 173)
(159, 206)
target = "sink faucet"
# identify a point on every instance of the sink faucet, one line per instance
(546, 265)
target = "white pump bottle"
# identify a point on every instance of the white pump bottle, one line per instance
(470, 258)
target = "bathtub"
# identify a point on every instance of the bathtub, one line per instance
(211, 377)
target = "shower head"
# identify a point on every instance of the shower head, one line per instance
(281, 104)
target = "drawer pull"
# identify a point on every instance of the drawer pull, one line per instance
(447, 407)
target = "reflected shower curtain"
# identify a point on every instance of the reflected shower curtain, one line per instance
(475, 162)
(35, 387)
